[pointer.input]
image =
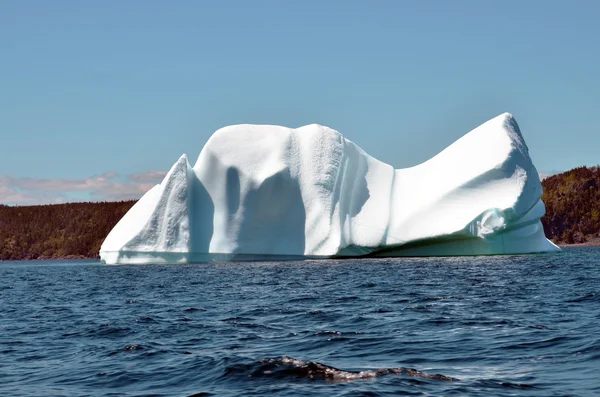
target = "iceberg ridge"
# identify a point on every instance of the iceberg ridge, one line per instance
(261, 190)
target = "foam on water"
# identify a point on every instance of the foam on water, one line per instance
(283, 367)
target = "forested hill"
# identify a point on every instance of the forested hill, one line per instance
(572, 205)
(74, 230)
(77, 230)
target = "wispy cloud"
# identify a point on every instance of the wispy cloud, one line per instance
(10, 195)
(109, 186)
(151, 176)
(545, 174)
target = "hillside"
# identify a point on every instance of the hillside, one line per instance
(73, 230)
(77, 230)
(572, 206)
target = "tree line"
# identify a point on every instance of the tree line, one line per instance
(73, 230)
(572, 205)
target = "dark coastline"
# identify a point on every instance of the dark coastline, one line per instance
(55, 258)
(594, 243)
(57, 231)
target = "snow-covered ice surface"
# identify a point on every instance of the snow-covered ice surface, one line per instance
(261, 191)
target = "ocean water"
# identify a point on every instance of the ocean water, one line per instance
(494, 326)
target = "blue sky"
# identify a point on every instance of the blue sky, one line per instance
(98, 99)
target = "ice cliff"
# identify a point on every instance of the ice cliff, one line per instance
(259, 190)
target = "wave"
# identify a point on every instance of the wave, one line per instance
(286, 367)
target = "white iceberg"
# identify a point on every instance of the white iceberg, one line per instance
(261, 191)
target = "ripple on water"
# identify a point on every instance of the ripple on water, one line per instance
(494, 326)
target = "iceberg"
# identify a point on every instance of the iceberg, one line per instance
(270, 192)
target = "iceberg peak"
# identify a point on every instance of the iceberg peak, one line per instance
(264, 190)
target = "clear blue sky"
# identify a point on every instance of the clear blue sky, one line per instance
(126, 87)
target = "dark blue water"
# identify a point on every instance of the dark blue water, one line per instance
(493, 326)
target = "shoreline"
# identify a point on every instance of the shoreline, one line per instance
(595, 242)
(592, 243)
(54, 258)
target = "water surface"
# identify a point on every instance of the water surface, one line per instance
(495, 326)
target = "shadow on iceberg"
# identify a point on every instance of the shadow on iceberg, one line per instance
(269, 192)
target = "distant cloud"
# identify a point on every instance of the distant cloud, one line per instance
(545, 174)
(109, 186)
(11, 195)
(151, 176)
